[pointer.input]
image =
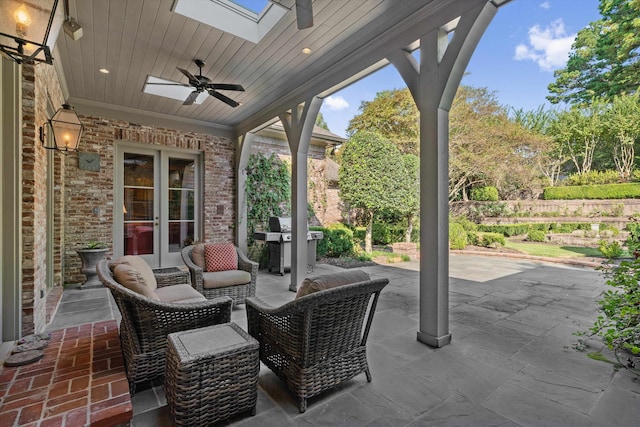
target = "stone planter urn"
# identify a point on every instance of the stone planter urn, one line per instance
(90, 255)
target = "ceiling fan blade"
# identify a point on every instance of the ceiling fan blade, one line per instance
(304, 14)
(223, 98)
(225, 86)
(191, 98)
(190, 76)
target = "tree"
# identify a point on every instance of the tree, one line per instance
(320, 122)
(579, 131)
(487, 148)
(622, 129)
(392, 114)
(409, 191)
(549, 155)
(369, 177)
(604, 59)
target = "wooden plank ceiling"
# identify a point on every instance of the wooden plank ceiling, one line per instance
(137, 38)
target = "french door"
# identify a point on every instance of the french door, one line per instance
(156, 203)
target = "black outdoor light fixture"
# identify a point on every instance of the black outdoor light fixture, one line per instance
(67, 130)
(26, 29)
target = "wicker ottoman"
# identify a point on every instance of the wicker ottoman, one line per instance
(211, 374)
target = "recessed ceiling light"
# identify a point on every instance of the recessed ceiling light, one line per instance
(104, 71)
(306, 50)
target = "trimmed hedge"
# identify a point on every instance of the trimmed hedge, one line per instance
(510, 230)
(537, 236)
(607, 191)
(490, 240)
(337, 241)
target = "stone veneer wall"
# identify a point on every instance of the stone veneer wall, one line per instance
(39, 87)
(86, 190)
(327, 210)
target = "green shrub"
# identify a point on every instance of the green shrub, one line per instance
(467, 224)
(510, 230)
(380, 234)
(593, 178)
(338, 241)
(537, 236)
(457, 236)
(472, 237)
(489, 210)
(618, 324)
(606, 191)
(490, 240)
(484, 194)
(633, 240)
(610, 249)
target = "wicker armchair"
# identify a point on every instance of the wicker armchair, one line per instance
(319, 340)
(223, 283)
(146, 322)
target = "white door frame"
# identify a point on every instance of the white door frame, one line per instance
(161, 256)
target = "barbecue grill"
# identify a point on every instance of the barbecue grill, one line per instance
(279, 241)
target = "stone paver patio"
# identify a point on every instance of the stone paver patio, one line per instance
(510, 362)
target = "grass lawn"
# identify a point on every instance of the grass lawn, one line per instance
(543, 249)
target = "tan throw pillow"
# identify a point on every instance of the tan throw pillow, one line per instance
(328, 281)
(197, 255)
(131, 278)
(220, 257)
(137, 263)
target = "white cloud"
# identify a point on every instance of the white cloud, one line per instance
(545, 5)
(336, 103)
(548, 47)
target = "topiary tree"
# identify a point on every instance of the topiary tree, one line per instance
(369, 177)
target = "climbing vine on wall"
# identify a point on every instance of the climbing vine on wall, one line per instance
(268, 189)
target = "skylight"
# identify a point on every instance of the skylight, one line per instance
(238, 17)
(255, 6)
(166, 88)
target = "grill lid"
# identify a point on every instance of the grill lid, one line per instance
(280, 224)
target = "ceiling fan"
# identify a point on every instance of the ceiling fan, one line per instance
(201, 84)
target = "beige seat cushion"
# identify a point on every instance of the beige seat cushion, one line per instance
(146, 273)
(328, 281)
(222, 279)
(131, 278)
(179, 294)
(197, 255)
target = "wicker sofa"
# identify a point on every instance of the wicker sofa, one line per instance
(318, 340)
(149, 315)
(237, 282)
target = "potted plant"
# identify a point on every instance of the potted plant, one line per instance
(90, 254)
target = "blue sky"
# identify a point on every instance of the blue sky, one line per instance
(524, 44)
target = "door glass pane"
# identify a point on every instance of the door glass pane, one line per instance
(138, 204)
(181, 198)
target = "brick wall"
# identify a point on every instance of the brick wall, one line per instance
(86, 190)
(39, 86)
